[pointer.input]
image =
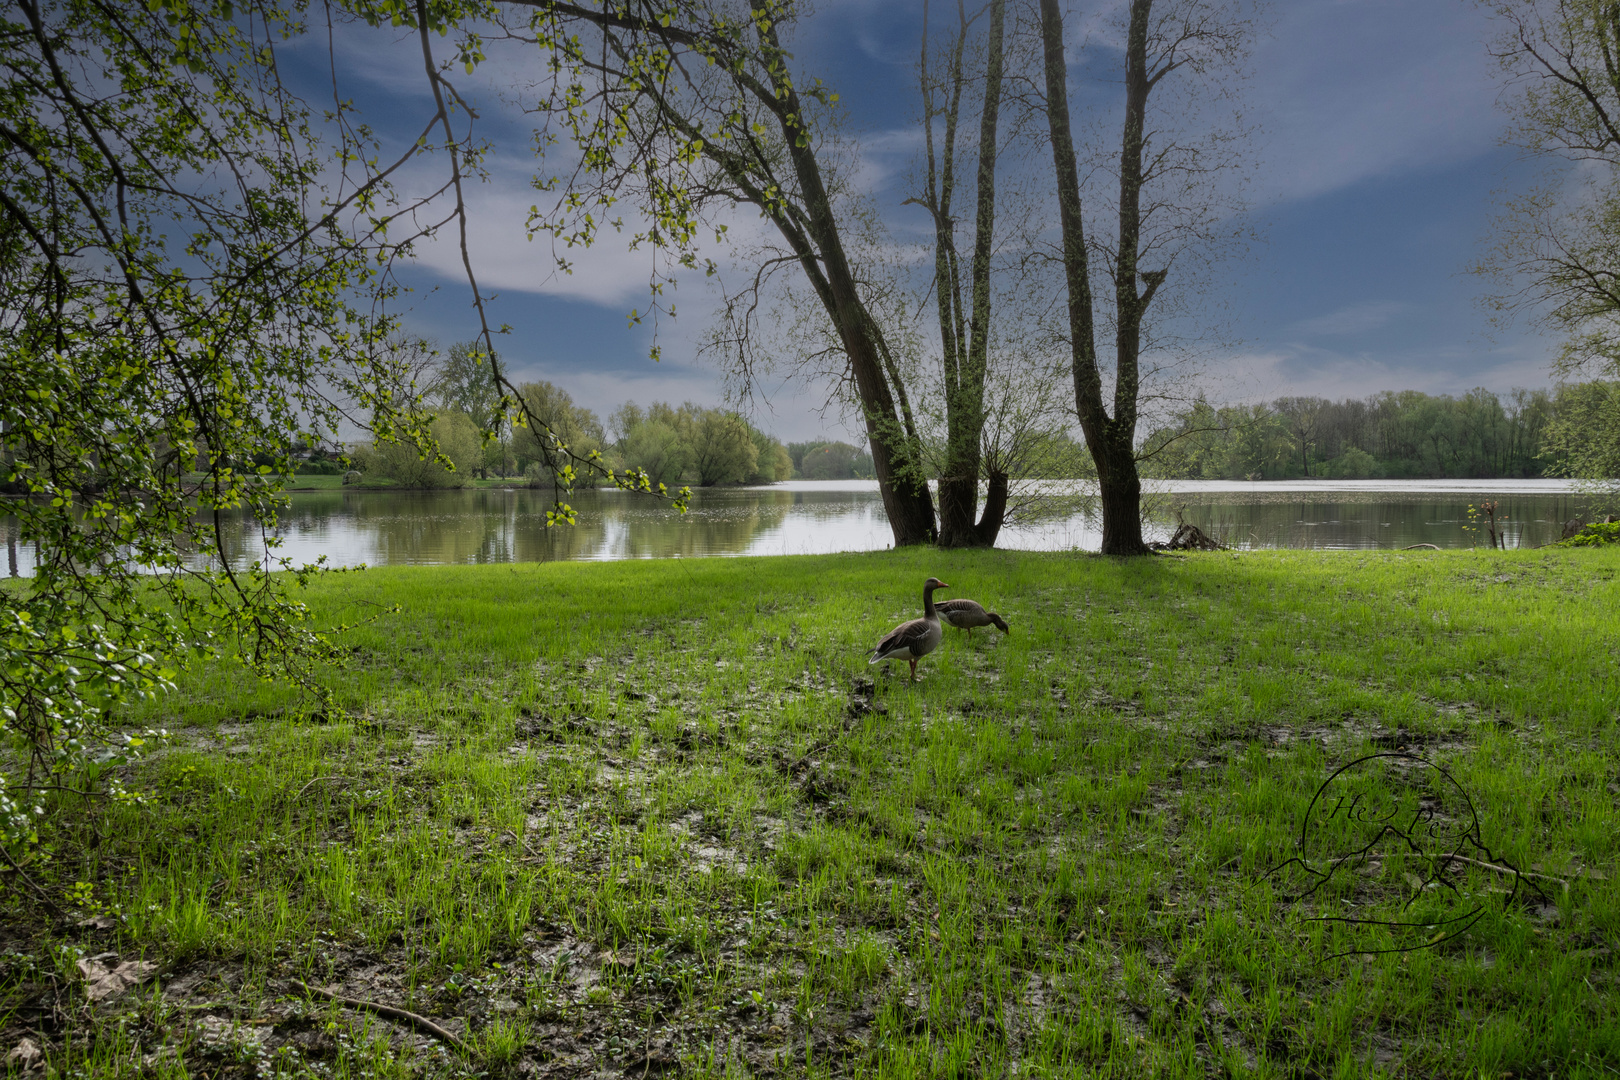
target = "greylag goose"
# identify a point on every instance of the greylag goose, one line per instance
(966, 614)
(913, 640)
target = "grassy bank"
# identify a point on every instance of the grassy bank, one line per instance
(659, 817)
(334, 482)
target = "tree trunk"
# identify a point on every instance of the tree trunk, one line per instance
(1121, 496)
(895, 456)
(995, 509)
(1111, 439)
(964, 403)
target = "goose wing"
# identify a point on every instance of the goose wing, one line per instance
(962, 613)
(907, 641)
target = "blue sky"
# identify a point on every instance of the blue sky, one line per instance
(1379, 170)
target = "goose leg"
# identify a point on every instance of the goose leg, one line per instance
(913, 670)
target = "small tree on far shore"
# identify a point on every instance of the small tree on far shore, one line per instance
(458, 453)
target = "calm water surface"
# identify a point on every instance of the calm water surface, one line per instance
(509, 525)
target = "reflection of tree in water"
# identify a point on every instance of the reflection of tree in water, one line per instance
(719, 523)
(508, 525)
(1285, 520)
(478, 526)
(396, 527)
(536, 543)
(19, 556)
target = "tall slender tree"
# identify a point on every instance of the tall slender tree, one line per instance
(690, 109)
(1162, 37)
(964, 336)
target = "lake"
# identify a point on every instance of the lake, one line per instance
(376, 527)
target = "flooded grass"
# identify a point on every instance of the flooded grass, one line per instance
(661, 818)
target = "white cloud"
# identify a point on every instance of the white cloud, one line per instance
(506, 259)
(884, 157)
(1264, 374)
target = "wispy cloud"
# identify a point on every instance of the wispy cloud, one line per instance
(1354, 319)
(1348, 90)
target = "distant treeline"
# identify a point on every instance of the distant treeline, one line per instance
(1392, 435)
(830, 461)
(685, 444)
(1568, 431)
(694, 445)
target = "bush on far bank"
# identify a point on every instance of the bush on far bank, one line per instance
(459, 440)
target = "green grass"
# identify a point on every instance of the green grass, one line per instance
(327, 482)
(334, 482)
(656, 815)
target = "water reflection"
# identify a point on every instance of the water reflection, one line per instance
(351, 527)
(509, 525)
(1373, 520)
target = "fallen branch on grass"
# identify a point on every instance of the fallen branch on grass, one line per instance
(315, 781)
(1507, 870)
(44, 897)
(525, 845)
(1413, 547)
(421, 1023)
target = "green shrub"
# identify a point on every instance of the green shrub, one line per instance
(1594, 535)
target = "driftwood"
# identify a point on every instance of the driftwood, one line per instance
(1431, 547)
(1190, 538)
